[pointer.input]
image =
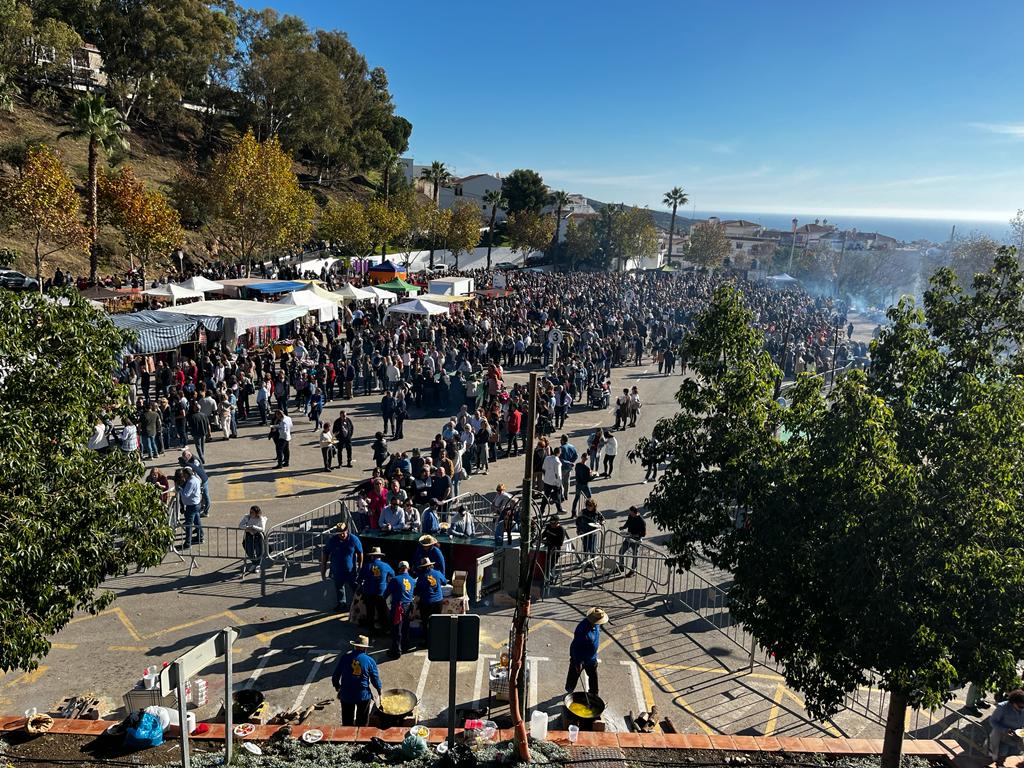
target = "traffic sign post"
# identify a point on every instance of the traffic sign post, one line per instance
(555, 336)
(453, 639)
(175, 676)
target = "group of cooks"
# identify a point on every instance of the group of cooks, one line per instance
(387, 594)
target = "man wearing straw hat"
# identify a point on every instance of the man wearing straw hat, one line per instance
(583, 651)
(373, 580)
(400, 590)
(352, 677)
(428, 589)
(344, 552)
(428, 548)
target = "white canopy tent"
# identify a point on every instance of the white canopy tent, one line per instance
(325, 308)
(419, 307)
(350, 293)
(241, 316)
(379, 294)
(173, 292)
(200, 283)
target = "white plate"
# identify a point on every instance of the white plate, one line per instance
(312, 736)
(252, 748)
(243, 730)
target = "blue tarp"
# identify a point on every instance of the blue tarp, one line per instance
(162, 331)
(276, 287)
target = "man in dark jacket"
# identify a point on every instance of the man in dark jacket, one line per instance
(636, 529)
(199, 429)
(343, 430)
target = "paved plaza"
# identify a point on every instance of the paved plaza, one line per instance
(655, 651)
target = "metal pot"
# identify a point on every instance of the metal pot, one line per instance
(408, 706)
(247, 701)
(595, 703)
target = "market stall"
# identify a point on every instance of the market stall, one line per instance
(349, 292)
(162, 330)
(240, 317)
(173, 293)
(202, 284)
(380, 295)
(325, 309)
(398, 285)
(242, 288)
(385, 272)
(418, 307)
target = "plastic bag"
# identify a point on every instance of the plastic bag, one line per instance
(146, 733)
(413, 746)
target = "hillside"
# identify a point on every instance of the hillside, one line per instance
(156, 160)
(662, 219)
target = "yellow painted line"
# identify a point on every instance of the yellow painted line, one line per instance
(551, 623)
(773, 715)
(679, 700)
(645, 683)
(236, 486)
(115, 612)
(28, 678)
(266, 637)
(716, 671)
(285, 486)
(831, 729)
(132, 648)
(194, 622)
(63, 646)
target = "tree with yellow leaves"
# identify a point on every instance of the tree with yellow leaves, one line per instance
(42, 203)
(149, 225)
(385, 223)
(463, 230)
(346, 227)
(257, 199)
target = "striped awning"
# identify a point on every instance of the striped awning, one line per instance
(162, 331)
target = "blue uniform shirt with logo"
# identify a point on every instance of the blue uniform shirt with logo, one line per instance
(400, 590)
(428, 586)
(352, 677)
(585, 641)
(373, 577)
(342, 555)
(432, 553)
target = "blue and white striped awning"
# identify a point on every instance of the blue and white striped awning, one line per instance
(162, 331)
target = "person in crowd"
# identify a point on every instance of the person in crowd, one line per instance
(281, 431)
(254, 525)
(400, 592)
(552, 538)
(344, 554)
(328, 446)
(373, 583)
(355, 672)
(1006, 719)
(636, 529)
(583, 651)
(428, 589)
(344, 430)
(191, 496)
(428, 548)
(611, 450)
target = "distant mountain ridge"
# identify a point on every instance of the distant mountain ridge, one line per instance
(662, 219)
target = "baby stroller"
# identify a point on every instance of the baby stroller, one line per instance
(597, 396)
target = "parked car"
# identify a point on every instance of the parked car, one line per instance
(506, 266)
(16, 281)
(537, 261)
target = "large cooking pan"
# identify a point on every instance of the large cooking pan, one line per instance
(582, 700)
(396, 704)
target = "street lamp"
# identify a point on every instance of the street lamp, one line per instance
(792, 246)
(180, 254)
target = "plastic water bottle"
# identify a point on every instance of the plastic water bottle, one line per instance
(539, 725)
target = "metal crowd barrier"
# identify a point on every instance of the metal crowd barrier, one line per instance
(299, 540)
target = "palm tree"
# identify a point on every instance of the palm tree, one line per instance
(92, 119)
(674, 198)
(559, 199)
(437, 174)
(496, 200)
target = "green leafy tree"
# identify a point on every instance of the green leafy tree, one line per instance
(385, 224)
(103, 128)
(529, 231)
(708, 244)
(673, 199)
(626, 233)
(524, 190)
(971, 254)
(41, 202)
(889, 527)
(463, 230)
(438, 222)
(583, 246)
(257, 200)
(346, 226)
(70, 517)
(495, 199)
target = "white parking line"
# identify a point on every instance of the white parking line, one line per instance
(260, 667)
(634, 676)
(531, 700)
(309, 681)
(421, 684)
(478, 681)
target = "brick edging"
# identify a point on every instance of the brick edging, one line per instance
(922, 747)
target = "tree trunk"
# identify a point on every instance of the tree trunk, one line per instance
(490, 235)
(39, 262)
(558, 225)
(895, 723)
(94, 226)
(671, 234)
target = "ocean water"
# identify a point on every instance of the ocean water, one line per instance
(907, 230)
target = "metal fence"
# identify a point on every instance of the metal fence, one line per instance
(299, 540)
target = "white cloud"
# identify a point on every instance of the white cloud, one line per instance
(1015, 130)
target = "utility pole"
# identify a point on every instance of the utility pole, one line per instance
(517, 661)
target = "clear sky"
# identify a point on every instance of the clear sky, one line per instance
(874, 107)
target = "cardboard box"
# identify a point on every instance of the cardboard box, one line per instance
(455, 606)
(459, 579)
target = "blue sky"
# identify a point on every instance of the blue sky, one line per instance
(895, 108)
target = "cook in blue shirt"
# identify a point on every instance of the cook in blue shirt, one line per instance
(400, 591)
(1006, 718)
(344, 551)
(429, 522)
(583, 651)
(352, 677)
(428, 549)
(428, 590)
(373, 580)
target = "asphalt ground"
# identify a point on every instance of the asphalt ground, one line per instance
(654, 652)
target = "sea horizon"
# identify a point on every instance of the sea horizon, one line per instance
(903, 229)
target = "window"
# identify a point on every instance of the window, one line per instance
(739, 246)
